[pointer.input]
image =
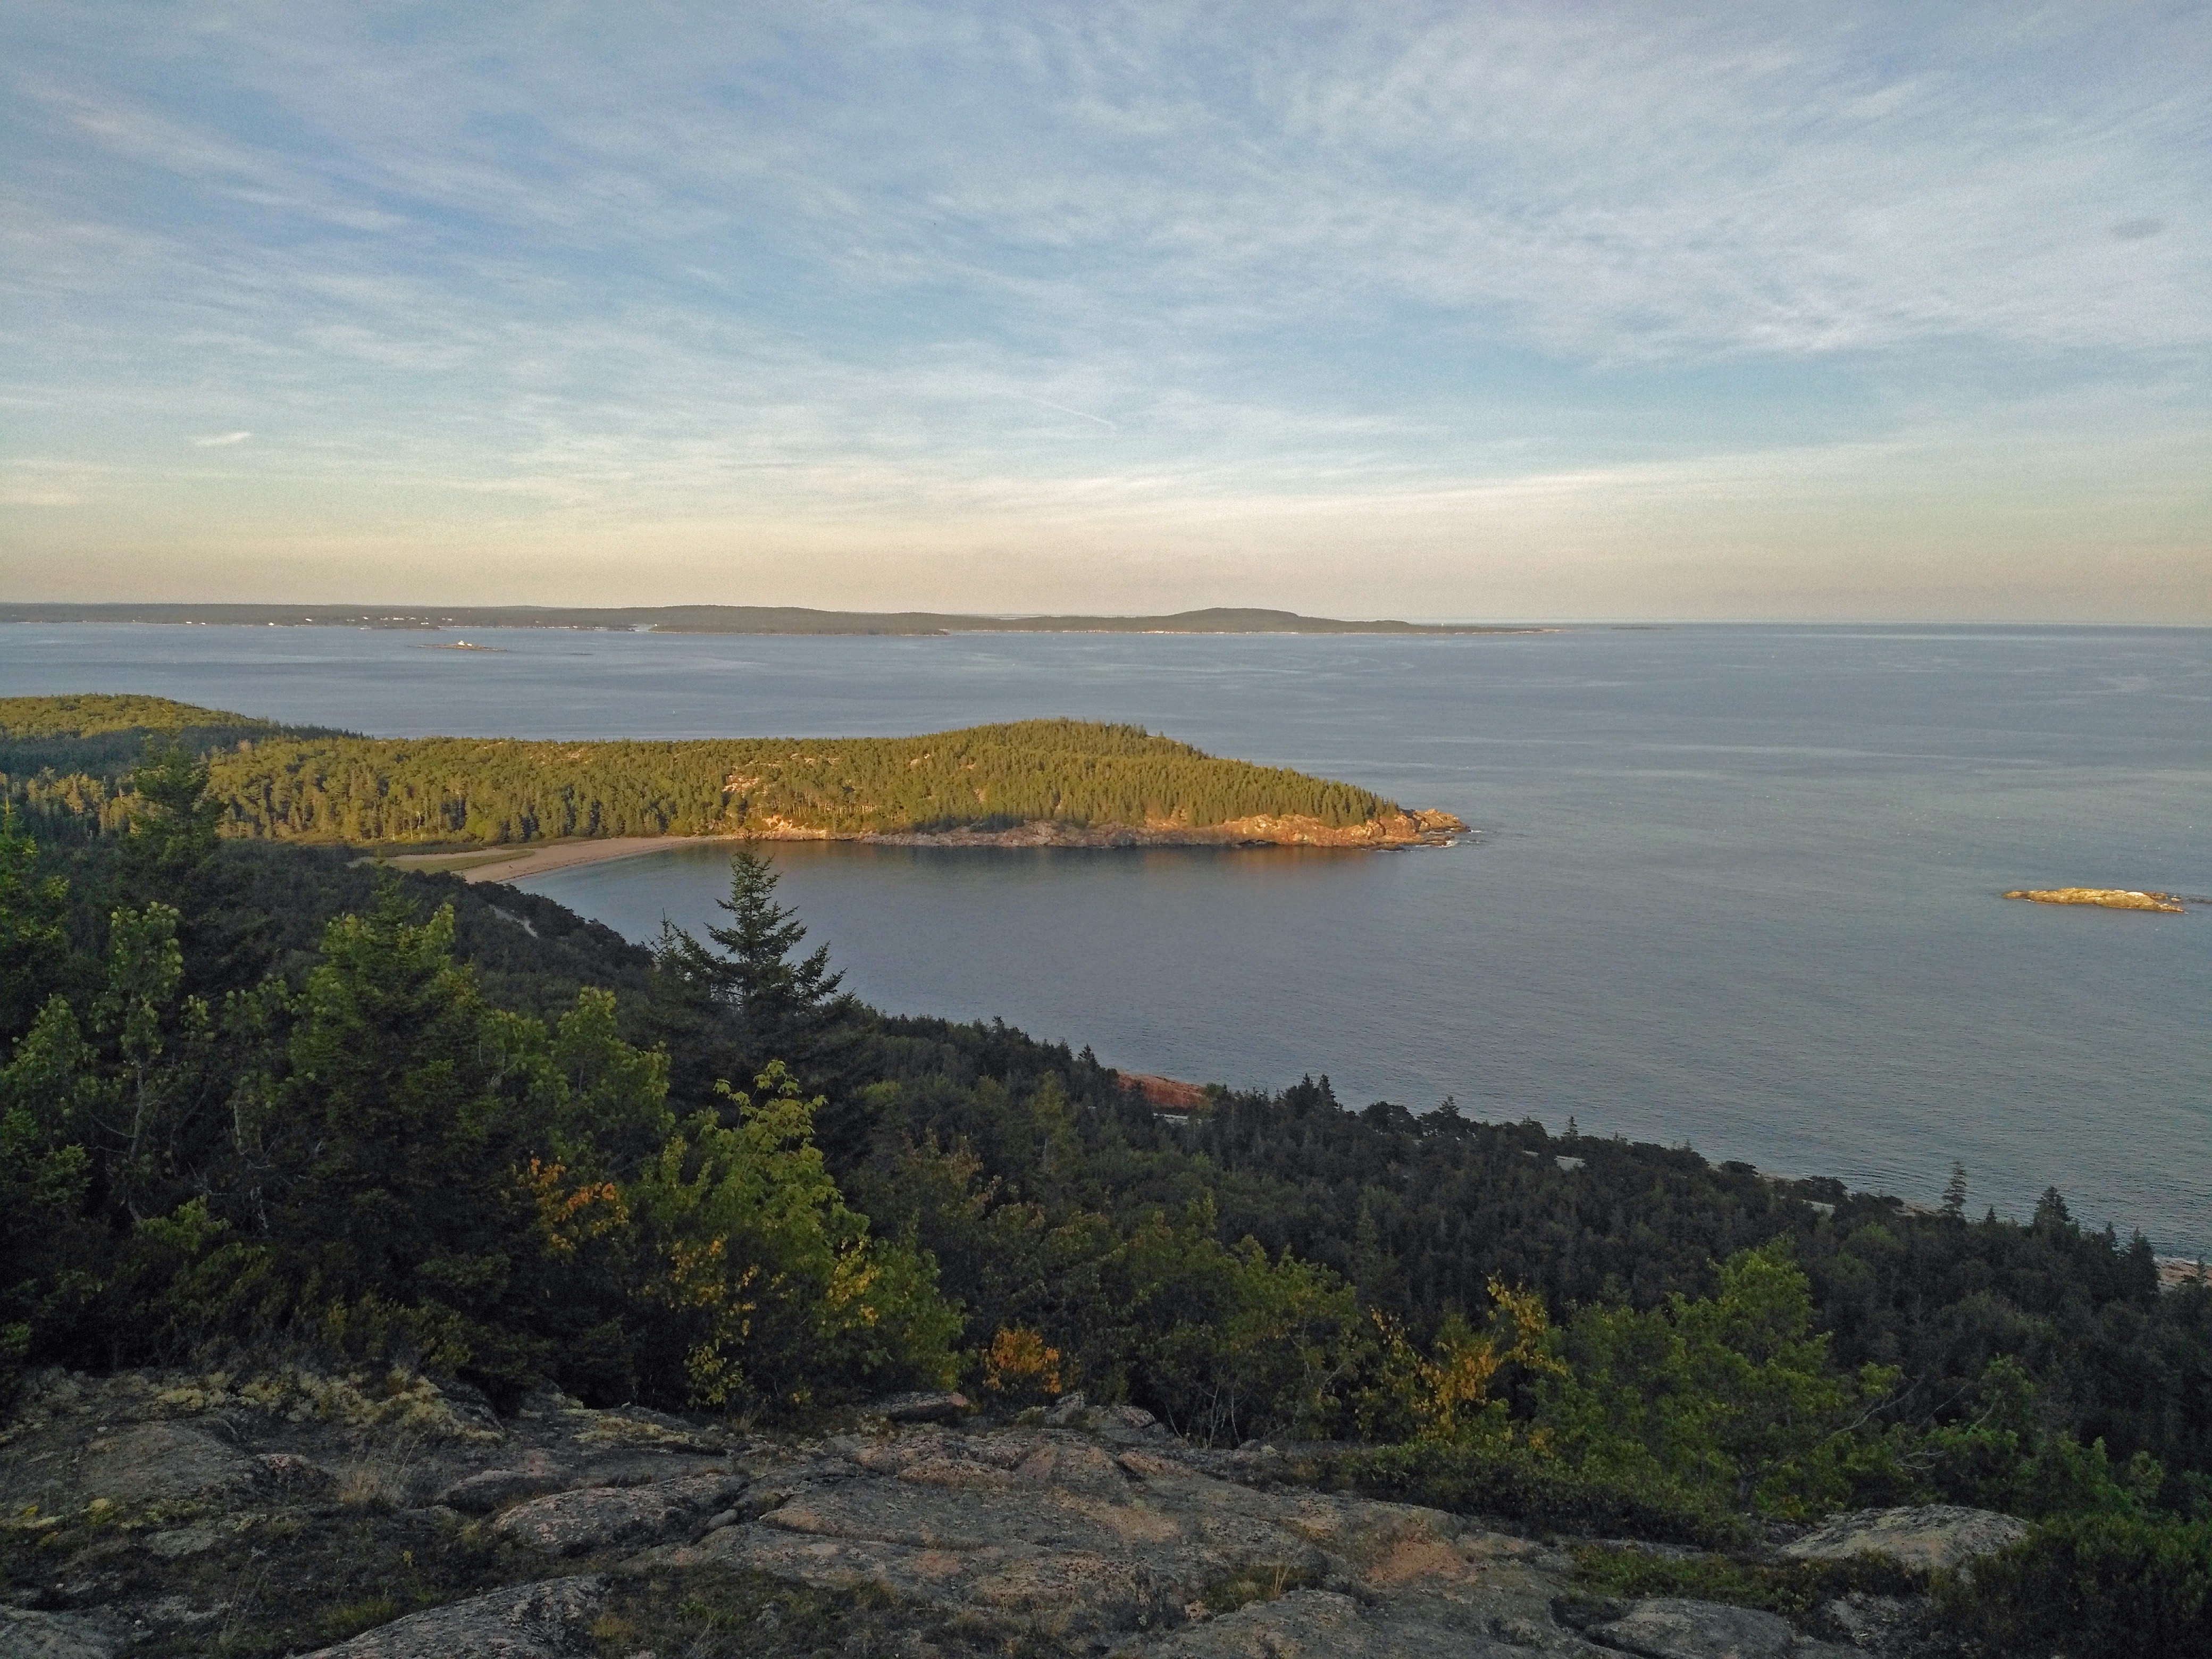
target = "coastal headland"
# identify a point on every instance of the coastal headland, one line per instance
(497, 809)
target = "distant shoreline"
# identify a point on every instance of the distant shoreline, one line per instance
(796, 620)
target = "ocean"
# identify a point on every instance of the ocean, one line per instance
(1733, 887)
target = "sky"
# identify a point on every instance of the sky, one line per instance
(1557, 311)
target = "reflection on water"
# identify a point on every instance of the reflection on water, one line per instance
(1141, 952)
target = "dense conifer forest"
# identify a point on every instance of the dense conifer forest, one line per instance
(73, 756)
(257, 1098)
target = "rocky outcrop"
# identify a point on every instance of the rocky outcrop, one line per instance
(1929, 1538)
(1166, 1093)
(28, 1635)
(589, 1519)
(1115, 1537)
(929, 1405)
(493, 1490)
(519, 863)
(160, 1462)
(1392, 830)
(529, 1621)
(412, 1525)
(1668, 1628)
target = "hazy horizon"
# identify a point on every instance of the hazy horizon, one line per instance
(1597, 621)
(1504, 313)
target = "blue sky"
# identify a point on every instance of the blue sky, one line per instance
(1457, 311)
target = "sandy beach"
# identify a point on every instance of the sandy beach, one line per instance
(519, 863)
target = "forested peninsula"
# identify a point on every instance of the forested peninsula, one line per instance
(1034, 783)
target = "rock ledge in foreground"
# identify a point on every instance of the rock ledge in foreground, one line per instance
(523, 1622)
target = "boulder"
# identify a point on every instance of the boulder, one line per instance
(927, 1407)
(290, 1477)
(1667, 1627)
(1070, 1407)
(1873, 1623)
(1125, 1423)
(1929, 1538)
(598, 1517)
(543, 1620)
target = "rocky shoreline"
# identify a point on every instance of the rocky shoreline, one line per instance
(1400, 829)
(1396, 831)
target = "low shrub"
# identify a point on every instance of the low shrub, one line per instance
(1514, 1484)
(2090, 1583)
(1793, 1588)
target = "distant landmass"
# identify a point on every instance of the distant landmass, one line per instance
(728, 619)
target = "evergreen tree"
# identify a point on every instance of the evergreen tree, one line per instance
(170, 855)
(34, 930)
(410, 1109)
(1954, 1193)
(782, 1007)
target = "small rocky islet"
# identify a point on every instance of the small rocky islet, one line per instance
(2108, 898)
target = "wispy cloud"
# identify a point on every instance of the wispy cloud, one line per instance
(987, 259)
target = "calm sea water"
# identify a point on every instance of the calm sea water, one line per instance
(1736, 887)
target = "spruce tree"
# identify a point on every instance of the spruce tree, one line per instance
(171, 855)
(1954, 1193)
(784, 1007)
